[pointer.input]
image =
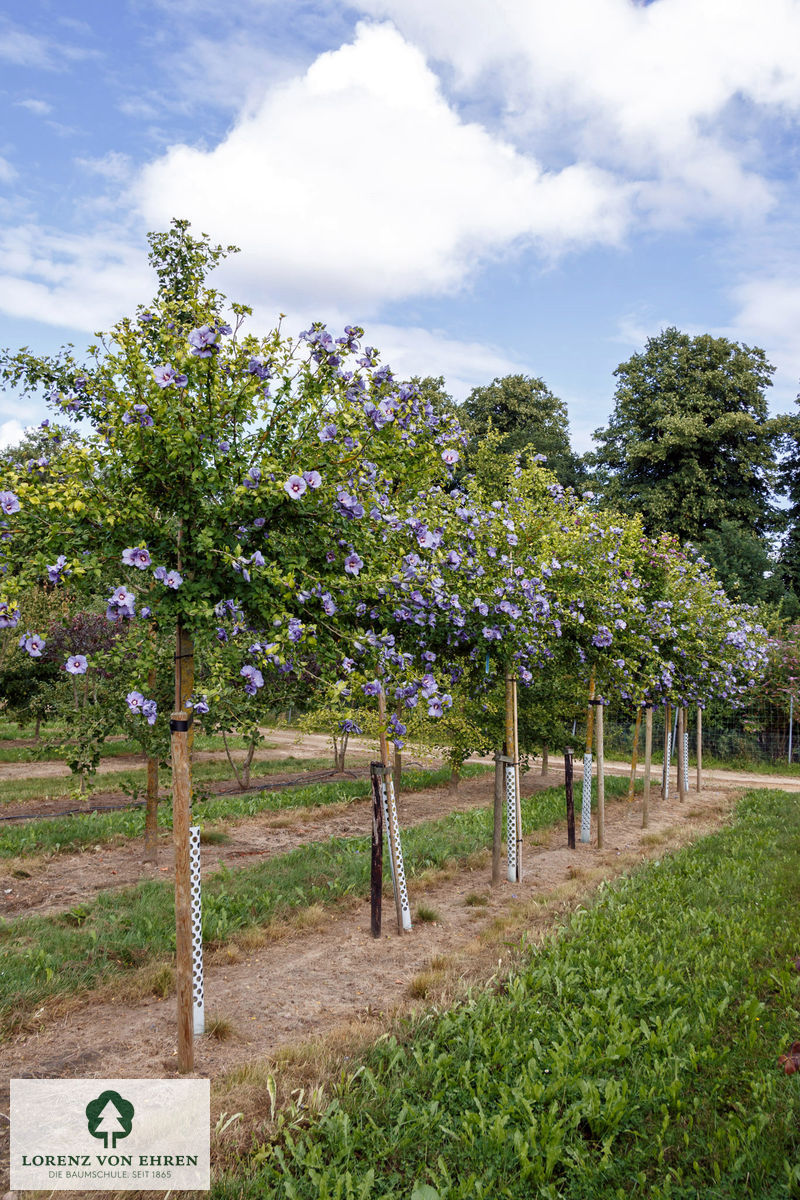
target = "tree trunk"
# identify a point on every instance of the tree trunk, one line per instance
(546, 760)
(635, 754)
(151, 800)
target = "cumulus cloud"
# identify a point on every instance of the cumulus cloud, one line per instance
(11, 432)
(643, 89)
(39, 108)
(358, 181)
(79, 281)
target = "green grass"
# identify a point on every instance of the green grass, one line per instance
(111, 749)
(45, 956)
(635, 1056)
(54, 835)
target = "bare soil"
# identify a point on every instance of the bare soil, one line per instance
(270, 993)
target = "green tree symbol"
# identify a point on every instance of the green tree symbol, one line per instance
(109, 1116)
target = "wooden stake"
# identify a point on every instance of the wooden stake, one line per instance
(681, 763)
(667, 751)
(181, 797)
(497, 830)
(376, 874)
(601, 787)
(392, 830)
(517, 788)
(648, 759)
(568, 777)
(699, 749)
(151, 812)
(635, 754)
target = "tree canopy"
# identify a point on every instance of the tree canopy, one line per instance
(531, 421)
(689, 443)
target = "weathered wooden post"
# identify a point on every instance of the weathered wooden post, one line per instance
(667, 751)
(681, 763)
(497, 828)
(393, 828)
(568, 779)
(699, 749)
(601, 783)
(648, 760)
(376, 873)
(181, 799)
(586, 799)
(635, 754)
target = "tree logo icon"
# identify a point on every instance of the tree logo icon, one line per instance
(110, 1116)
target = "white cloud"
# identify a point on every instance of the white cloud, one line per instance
(411, 350)
(75, 281)
(39, 108)
(8, 172)
(115, 167)
(643, 89)
(768, 315)
(11, 432)
(358, 183)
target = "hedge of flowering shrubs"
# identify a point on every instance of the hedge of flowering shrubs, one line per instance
(273, 499)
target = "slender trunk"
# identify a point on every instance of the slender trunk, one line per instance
(546, 760)
(397, 763)
(37, 729)
(151, 800)
(601, 787)
(497, 827)
(681, 762)
(648, 756)
(455, 775)
(181, 809)
(248, 761)
(151, 812)
(230, 758)
(635, 754)
(699, 749)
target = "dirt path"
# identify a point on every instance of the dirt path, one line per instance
(64, 880)
(334, 973)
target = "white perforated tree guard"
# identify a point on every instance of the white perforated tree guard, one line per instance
(199, 1010)
(667, 765)
(586, 804)
(686, 761)
(395, 852)
(511, 822)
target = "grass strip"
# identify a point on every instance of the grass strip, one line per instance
(78, 949)
(636, 1055)
(54, 835)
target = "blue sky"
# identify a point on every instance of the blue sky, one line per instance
(487, 186)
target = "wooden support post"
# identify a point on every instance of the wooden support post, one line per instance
(392, 830)
(601, 788)
(181, 817)
(648, 762)
(568, 777)
(517, 789)
(497, 828)
(667, 751)
(586, 799)
(681, 763)
(376, 874)
(699, 749)
(635, 754)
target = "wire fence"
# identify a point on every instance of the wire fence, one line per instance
(760, 732)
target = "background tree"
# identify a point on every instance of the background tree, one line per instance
(530, 420)
(788, 427)
(689, 444)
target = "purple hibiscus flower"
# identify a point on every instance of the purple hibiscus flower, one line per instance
(603, 637)
(312, 478)
(76, 664)
(173, 579)
(9, 615)
(327, 433)
(450, 457)
(295, 486)
(167, 377)
(372, 689)
(134, 701)
(9, 503)
(353, 563)
(201, 705)
(203, 341)
(136, 556)
(34, 643)
(56, 570)
(150, 711)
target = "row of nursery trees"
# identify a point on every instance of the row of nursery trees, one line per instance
(281, 509)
